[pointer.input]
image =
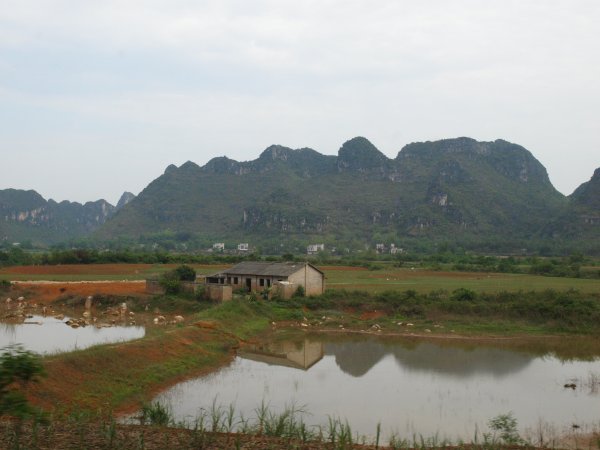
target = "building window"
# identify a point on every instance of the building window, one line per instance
(228, 280)
(262, 282)
(268, 283)
(235, 280)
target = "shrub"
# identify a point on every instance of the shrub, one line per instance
(463, 294)
(299, 292)
(156, 414)
(5, 285)
(170, 283)
(18, 368)
(506, 426)
(185, 273)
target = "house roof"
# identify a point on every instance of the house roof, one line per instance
(280, 269)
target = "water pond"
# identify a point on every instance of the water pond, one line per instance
(411, 387)
(49, 335)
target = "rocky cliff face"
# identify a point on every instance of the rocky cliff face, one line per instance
(26, 215)
(581, 219)
(588, 194)
(126, 197)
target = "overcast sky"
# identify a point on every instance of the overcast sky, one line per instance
(98, 97)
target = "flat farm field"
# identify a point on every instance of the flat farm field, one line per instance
(95, 272)
(337, 277)
(421, 280)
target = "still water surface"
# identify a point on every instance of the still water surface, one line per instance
(410, 387)
(53, 336)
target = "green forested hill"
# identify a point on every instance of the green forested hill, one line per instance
(492, 195)
(581, 220)
(25, 216)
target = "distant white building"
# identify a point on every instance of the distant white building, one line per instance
(380, 248)
(243, 247)
(313, 249)
(219, 246)
(394, 250)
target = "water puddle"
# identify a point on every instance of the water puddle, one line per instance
(47, 335)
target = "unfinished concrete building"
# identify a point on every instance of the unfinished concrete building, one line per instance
(282, 279)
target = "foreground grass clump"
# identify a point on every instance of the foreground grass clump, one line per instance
(221, 428)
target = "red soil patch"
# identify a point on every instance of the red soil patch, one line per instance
(370, 315)
(97, 269)
(44, 292)
(79, 269)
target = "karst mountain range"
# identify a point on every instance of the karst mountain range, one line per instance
(461, 190)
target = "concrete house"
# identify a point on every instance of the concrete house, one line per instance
(282, 279)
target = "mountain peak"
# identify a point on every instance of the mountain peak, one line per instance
(126, 197)
(189, 165)
(171, 168)
(588, 194)
(361, 155)
(276, 152)
(221, 164)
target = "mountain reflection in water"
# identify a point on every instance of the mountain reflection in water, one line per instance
(357, 358)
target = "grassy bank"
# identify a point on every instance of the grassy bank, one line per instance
(462, 310)
(124, 375)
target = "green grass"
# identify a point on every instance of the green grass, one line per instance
(424, 281)
(96, 272)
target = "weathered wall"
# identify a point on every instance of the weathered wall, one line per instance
(312, 280)
(218, 292)
(154, 287)
(285, 290)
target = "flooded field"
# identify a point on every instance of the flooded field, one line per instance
(411, 387)
(51, 335)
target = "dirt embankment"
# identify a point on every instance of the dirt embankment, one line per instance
(45, 292)
(120, 377)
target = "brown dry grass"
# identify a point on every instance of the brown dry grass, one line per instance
(371, 315)
(97, 269)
